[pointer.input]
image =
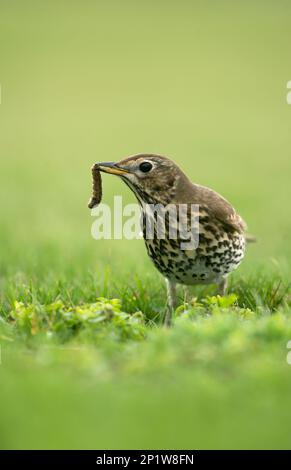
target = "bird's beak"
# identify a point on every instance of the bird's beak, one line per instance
(110, 167)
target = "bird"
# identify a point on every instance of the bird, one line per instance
(158, 180)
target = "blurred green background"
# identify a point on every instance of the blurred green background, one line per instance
(202, 82)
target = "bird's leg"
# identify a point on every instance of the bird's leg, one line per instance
(186, 294)
(222, 286)
(171, 301)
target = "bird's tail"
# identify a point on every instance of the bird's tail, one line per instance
(251, 239)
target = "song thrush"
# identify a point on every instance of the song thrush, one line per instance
(155, 179)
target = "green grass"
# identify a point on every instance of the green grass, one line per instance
(205, 84)
(92, 376)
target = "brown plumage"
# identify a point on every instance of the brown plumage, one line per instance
(155, 179)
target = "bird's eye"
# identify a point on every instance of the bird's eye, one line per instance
(145, 167)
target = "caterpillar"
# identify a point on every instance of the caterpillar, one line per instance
(96, 188)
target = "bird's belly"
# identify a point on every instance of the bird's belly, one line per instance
(208, 263)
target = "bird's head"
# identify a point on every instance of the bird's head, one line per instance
(153, 178)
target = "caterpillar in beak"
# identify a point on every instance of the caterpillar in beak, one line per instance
(96, 188)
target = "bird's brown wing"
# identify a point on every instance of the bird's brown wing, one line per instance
(219, 208)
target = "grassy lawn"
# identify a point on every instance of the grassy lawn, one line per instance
(85, 362)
